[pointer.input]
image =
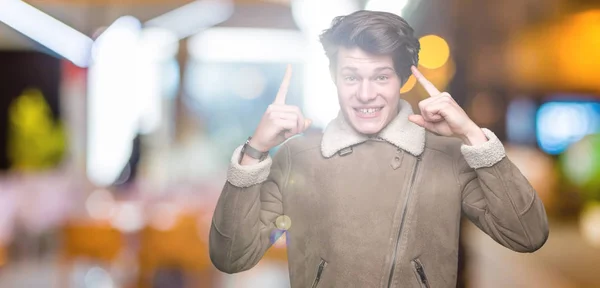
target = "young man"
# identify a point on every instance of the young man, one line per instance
(376, 200)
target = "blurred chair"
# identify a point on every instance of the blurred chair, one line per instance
(3, 256)
(178, 254)
(98, 242)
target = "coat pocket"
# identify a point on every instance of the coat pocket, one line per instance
(419, 270)
(320, 269)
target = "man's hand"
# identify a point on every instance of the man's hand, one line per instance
(442, 115)
(280, 121)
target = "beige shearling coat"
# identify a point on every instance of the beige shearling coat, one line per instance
(374, 212)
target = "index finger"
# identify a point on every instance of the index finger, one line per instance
(285, 84)
(429, 87)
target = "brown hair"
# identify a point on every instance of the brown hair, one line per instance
(379, 33)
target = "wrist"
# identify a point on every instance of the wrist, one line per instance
(257, 145)
(474, 136)
(247, 160)
(251, 155)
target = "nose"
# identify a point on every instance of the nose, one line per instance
(366, 93)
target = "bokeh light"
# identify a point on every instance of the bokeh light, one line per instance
(409, 85)
(395, 6)
(560, 54)
(251, 82)
(313, 16)
(100, 204)
(581, 165)
(484, 109)
(98, 278)
(434, 51)
(559, 124)
(520, 121)
(590, 224)
(164, 216)
(128, 217)
(581, 31)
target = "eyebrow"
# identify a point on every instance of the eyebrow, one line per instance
(353, 69)
(385, 68)
(379, 69)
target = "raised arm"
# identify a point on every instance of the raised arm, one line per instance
(243, 224)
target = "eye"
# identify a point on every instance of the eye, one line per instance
(382, 78)
(349, 78)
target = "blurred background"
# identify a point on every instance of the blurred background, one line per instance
(118, 120)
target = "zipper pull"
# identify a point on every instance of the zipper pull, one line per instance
(421, 272)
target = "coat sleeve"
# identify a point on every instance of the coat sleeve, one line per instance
(498, 199)
(243, 224)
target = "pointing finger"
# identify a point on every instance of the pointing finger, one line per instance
(429, 87)
(285, 84)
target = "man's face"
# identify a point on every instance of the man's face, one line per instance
(368, 89)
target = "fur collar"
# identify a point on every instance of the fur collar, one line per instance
(400, 132)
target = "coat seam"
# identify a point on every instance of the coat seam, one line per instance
(219, 231)
(456, 175)
(447, 154)
(499, 175)
(303, 150)
(473, 206)
(233, 237)
(287, 173)
(528, 207)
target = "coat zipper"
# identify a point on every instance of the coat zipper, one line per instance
(421, 273)
(394, 255)
(319, 272)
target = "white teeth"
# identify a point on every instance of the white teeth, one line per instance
(369, 110)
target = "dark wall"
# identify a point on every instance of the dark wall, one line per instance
(20, 70)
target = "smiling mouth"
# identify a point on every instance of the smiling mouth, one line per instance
(368, 111)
